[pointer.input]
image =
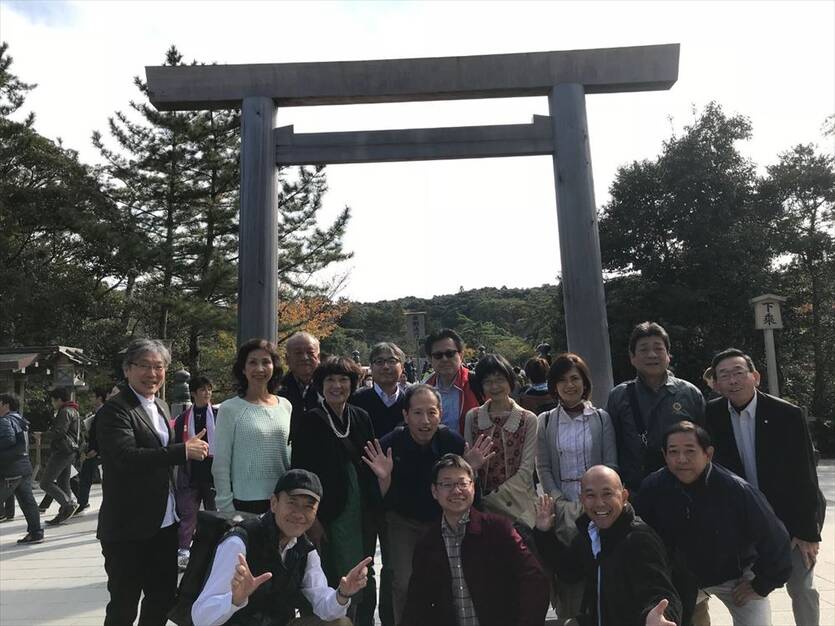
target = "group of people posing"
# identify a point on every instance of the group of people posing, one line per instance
(487, 504)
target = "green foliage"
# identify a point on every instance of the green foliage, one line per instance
(689, 227)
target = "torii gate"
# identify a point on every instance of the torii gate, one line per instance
(564, 77)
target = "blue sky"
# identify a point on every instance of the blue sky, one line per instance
(431, 227)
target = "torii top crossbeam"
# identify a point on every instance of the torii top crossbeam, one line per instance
(602, 70)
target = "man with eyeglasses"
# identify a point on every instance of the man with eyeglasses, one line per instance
(302, 356)
(138, 516)
(451, 378)
(766, 441)
(384, 402)
(472, 568)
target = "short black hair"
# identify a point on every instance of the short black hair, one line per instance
(61, 393)
(198, 382)
(413, 390)
(444, 333)
(240, 362)
(561, 365)
(102, 392)
(492, 364)
(686, 426)
(730, 353)
(11, 400)
(448, 461)
(648, 329)
(337, 366)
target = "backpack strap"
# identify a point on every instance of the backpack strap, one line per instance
(640, 426)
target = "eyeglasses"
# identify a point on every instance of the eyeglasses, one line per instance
(391, 361)
(463, 484)
(147, 367)
(446, 354)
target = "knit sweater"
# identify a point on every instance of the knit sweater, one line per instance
(251, 450)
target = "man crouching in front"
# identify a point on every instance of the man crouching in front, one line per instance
(472, 569)
(265, 568)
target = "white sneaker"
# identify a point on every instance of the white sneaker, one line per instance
(182, 559)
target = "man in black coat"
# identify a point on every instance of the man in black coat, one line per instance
(302, 356)
(138, 518)
(766, 441)
(620, 558)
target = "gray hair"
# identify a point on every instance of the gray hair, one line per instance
(295, 337)
(387, 347)
(138, 347)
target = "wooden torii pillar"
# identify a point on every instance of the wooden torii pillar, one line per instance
(563, 77)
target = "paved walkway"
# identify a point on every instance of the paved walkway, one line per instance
(62, 581)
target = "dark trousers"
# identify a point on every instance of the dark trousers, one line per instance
(8, 507)
(85, 480)
(21, 488)
(55, 480)
(147, 567)
(375, 526)
(189, 498)
(251, 506)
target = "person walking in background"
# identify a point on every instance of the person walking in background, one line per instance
(573, 437)
(138, 518)
(329, 441)
(252, 432)
(16, 467)
(195, 485)
(91, 455)
(507, 478)
(66, 439)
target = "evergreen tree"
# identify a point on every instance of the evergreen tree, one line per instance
(689, 225)
(57, 233)
(801, 188)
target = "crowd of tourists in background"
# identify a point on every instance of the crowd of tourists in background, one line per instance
(492, 491)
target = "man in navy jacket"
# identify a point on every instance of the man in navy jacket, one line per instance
(721, 533)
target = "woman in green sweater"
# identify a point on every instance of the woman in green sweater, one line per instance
(251, 437)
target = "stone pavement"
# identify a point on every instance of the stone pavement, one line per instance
(62, 581)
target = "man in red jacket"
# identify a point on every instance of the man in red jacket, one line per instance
(472, 568)
(451, 377)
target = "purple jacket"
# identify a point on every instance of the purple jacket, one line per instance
(506, 583)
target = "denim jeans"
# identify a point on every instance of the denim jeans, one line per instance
(21, 487)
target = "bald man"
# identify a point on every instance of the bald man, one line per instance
(615, 553)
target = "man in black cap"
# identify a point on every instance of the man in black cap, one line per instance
(270, 566)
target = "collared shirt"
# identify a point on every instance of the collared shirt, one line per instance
(161, 427)
(745, 431)
(388, 400)
(461, 599)
(594, 536)
(450, 404)
(574, 446)
(214, 604)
